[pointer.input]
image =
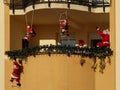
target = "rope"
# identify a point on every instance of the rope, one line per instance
(63, 15)
(32, 18)
(66, 14)
(26, 20)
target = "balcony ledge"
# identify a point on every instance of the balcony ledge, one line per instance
(60, 6)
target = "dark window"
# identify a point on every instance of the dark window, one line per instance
(94, 42)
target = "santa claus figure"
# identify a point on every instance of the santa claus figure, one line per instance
(64, 26)
(105, 35)
(30, 33)
(29, 29)
(17, 69)
(81, 43)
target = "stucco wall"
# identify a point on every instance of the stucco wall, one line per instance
(117, 41)
(2, 44)
(17, 31)
(106, 81)
(57, 72)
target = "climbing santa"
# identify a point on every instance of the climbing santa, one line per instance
(64, 27)
(30, 33)
(17, 69)
(105, 35)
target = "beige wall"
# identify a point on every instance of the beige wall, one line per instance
(44, 32)
(17, 32)
(57, 72)
(7, 28)
(2, 44)
(106, 81)
(117, 36)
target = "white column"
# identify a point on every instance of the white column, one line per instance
(117, 26)
(2, 45)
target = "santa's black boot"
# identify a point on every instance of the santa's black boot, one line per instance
(11, 80)
(18, 84)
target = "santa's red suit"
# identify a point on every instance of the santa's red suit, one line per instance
(27, 36)
(30, 33)
(16, 71)
(105, 38)
(81, 43)
(29, 29)
(67, 21)
(62, 25)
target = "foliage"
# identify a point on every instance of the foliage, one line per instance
(93, 53)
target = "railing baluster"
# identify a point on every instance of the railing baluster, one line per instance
(24, 6)
(33, 4)
(13, 6)
(68, 1)
(49, 3)
(103, 6)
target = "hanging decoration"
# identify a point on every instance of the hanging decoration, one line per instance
(94, 66)
(64, 24)
(105, 35)
(30, 33)
(17, 70)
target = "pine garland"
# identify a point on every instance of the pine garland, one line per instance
(93, 53)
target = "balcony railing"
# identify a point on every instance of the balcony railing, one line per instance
(22, 4)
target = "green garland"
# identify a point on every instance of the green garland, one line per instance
(95, 52)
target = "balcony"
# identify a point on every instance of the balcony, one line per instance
(23, 4)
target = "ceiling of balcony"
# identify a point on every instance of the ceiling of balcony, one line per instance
(52, 16)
